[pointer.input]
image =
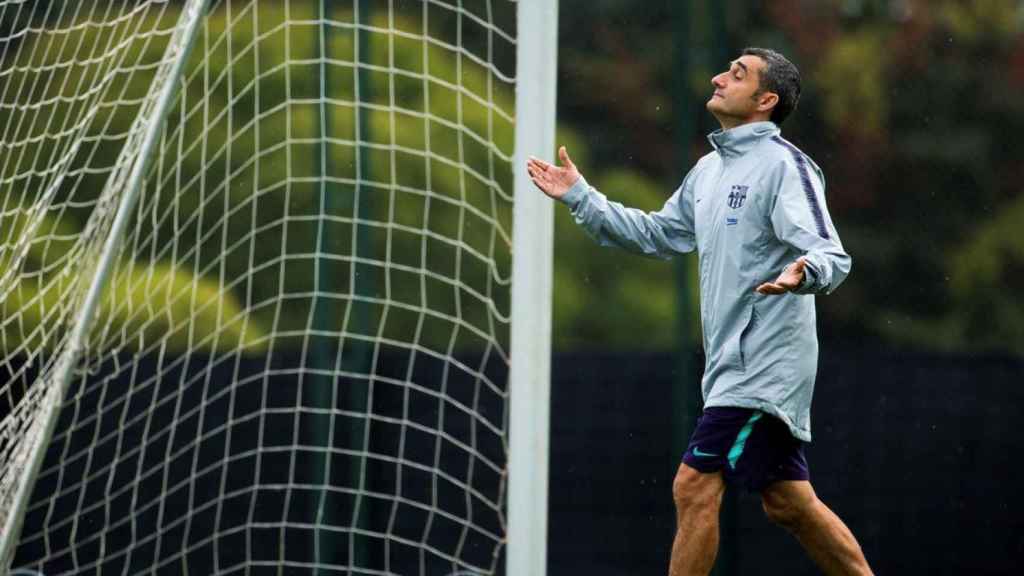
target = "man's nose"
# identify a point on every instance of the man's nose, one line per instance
(717, 81)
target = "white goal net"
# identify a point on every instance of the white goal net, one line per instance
(298, 357)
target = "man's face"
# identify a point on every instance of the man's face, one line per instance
(733, 101)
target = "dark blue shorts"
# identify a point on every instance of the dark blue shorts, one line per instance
(749, 447)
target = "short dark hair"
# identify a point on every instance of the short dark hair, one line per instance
(779, 76)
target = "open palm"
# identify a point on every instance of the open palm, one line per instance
(553, 180)
(789, 280)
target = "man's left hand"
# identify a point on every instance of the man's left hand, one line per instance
(789, 280)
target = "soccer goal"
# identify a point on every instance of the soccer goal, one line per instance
(275, 290)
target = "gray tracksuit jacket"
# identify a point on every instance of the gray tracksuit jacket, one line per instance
(749, 208)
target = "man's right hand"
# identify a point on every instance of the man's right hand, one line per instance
(553, 180)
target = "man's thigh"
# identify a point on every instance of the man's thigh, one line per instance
(795, 495)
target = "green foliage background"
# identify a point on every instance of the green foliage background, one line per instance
(250, 225)
(911, 108)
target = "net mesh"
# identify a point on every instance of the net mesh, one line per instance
(299, 361)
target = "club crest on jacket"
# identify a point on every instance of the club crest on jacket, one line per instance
(737, 196)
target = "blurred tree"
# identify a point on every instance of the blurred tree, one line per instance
(922, 156)
(234, 199)
(911, 109)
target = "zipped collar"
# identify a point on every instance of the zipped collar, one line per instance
(741, 139)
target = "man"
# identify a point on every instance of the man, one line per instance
(753, 206)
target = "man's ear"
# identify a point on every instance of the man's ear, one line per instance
(767, 101)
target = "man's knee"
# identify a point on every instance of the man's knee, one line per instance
(694, 490)
(785, 508)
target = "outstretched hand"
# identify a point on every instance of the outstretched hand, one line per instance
(791, 278)
(553, 180)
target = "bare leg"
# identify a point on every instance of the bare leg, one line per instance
(795, 506)
(698, 498)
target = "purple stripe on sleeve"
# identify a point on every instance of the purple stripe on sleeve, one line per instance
(805, 179)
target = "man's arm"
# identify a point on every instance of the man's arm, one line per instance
(660, 234)
(800, 218)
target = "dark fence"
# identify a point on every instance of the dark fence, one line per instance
(919, 454)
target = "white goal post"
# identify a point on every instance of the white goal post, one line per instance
(530, 370)
(259, 308)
